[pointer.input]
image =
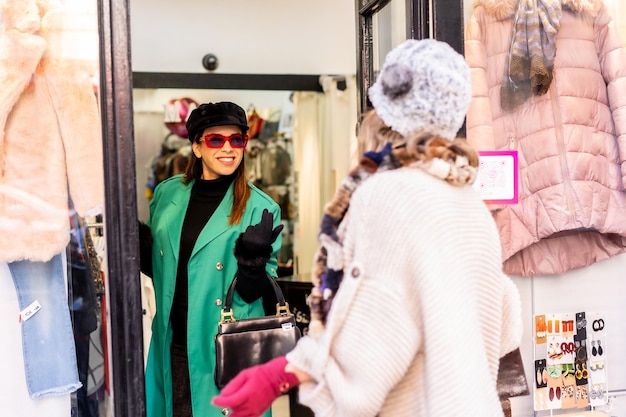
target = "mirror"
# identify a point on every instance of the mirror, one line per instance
(272, 57)
(388, 31)
(161, 153)
(325, 114)
(294, 158)
(382, 25)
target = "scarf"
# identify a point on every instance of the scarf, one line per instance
(328, 263)
(530, 60)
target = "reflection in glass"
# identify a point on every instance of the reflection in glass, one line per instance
(51, 203)
(389, 30)
(268, 156)
(617, 9)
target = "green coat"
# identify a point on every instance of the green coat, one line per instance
(211, 269)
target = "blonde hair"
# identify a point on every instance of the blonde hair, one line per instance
(419, 149)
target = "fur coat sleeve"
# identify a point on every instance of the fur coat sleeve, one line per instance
(51, 143)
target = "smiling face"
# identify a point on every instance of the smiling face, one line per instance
(217, 162)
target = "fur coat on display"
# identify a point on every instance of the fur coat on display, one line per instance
(571, 139)
(50, 130)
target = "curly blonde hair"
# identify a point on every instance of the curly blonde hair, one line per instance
(420, 149)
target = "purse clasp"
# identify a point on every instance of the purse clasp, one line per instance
(227, 315)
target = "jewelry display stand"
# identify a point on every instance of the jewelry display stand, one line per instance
(570, 364)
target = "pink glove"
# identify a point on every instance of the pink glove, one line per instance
(252, 392)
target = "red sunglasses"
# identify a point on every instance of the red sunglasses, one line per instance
(215, 140)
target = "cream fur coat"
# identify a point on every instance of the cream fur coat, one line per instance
(50, 130)
(571, 141)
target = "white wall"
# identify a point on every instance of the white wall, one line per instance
(599, 288)
(247, 36)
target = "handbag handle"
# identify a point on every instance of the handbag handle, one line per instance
(282, 306)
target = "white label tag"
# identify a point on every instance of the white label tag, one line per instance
(30, 311)
(286, 326)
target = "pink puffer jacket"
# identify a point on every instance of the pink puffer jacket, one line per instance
(571, 141)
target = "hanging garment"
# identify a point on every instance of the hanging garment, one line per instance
(275, 165)
(15, 400)
(47, 335)
(530, 60)
(252, 160)
(571, 141)
(84, 309)
(50, 134)
(83, 301)
(173, 158)
(255, 123)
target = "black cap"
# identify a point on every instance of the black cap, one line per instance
(223, 113)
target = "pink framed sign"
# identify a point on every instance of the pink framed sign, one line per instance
(497, 178)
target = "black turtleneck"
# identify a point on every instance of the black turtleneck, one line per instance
(206, 195)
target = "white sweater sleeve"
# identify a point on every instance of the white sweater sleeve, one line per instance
(370, 340)
(359, 358)
(512, 325)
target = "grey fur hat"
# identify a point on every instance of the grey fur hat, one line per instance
(423, 86)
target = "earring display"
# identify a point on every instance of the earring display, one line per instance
(570, 364)
(597, 361)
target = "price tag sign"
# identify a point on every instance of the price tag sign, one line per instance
(497, 179)
(29, 311)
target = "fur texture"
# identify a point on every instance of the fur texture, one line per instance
(505, 9)
(50, 133)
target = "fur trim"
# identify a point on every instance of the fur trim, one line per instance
(501, 9)
(591, 7)
(505, 9)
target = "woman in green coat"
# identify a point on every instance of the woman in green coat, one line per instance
(207, 225)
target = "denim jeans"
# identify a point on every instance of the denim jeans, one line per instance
(47, 337)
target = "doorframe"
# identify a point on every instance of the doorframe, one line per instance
(123, 283)
(442, 18)
(126, 364)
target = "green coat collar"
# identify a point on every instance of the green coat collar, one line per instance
(218, 223)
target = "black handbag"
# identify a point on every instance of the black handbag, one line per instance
(241, 344)
(511, 379)
(511, 376)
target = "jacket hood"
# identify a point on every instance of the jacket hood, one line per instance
(504, 9)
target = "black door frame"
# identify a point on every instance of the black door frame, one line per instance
(446, 25)
(126, 367)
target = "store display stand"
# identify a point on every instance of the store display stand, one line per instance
(570, 366)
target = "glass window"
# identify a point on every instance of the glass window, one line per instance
(388, 31)
(53, 269)
(617, 9)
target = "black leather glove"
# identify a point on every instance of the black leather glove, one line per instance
(253, 248)
(145, 249)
